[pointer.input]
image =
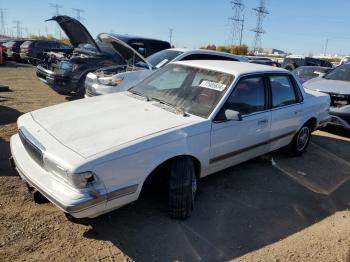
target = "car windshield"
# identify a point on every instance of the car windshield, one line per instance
(309, 72)
(193, 90)
(162, 58)
(341, 73)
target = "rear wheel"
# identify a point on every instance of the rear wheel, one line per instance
(182, 188)
(300, 141)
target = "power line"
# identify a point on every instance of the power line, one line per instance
(18, 28)
(237, 21)
(2, 20)
(78, 13)
(261, 13)
(57, 8)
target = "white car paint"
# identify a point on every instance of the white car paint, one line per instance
(122, 139)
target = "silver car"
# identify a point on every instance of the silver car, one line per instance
(336, 83)
(108, 80)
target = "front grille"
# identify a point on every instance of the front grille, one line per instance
(89, 92)
(34, 152)
(339, 100)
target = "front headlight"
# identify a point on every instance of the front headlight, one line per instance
(77, 180)
(69, 66)
(110, 81)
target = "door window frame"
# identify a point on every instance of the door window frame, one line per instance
(298, 94)
(266, 92)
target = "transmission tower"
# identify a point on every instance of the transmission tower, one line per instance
(237, 21)
(78, 12)
(57, 8)
(261, 13)
(18, 28)
(171, 36)
(2, 21)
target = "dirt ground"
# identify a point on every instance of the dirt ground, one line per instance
(272, 208)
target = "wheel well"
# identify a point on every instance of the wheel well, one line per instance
(313, 122)
(159, 176)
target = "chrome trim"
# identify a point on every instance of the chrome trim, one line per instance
(243, 150)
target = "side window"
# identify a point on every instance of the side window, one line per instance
(140, 48)
(248, 96)
(283, 92)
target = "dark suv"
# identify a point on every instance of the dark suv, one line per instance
(291, 63)
(33, 50)
(66, 73)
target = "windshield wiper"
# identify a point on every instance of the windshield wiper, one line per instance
(138, 94)
(178, 109)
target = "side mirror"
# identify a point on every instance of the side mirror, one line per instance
(229, 115)
(320, 74)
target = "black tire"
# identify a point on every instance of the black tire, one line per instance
(300, 141)
(182, 188)
(289, 67)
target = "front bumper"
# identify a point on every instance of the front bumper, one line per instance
(77, 203)
(59, 83)
(340, 116)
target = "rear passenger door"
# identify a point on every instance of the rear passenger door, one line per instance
(286, 109)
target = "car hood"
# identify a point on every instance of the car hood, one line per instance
(75, 31)
(129, 54)
(328, 86)
(92, 126)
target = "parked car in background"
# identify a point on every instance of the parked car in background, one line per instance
(13, 49)
(34, 51)
(111, 80)
(345, 60)
(305, 73)
(265, 62)
(66, 73)
(336, 84)
(188, 120)
(292, 62)
(3, 47)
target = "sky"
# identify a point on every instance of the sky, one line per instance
(298, 26)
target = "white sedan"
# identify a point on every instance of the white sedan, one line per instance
(188, 120)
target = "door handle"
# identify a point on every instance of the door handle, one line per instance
(297, 112)
(262, 122)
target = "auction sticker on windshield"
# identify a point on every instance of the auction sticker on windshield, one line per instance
(213, 85)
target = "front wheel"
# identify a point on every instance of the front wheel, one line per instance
(300, 141)
(182, 188)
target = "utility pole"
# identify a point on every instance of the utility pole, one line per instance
(18, 28)
(78, 13)
(57, 8)
(325, 48)
(171, 36)
(261, 13)
(2, 20)
(237, 21)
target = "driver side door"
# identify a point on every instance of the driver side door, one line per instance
(234, 141)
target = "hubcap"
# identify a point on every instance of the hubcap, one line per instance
(303, 138)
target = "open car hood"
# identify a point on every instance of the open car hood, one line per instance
(129, 54)
(75, 31)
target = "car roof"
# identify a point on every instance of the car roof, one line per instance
(206, 51)
(232, 67)
(135, 37)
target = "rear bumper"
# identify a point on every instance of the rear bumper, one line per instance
(78, 204)
(59, 83)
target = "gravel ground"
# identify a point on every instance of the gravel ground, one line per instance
(288, 209)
